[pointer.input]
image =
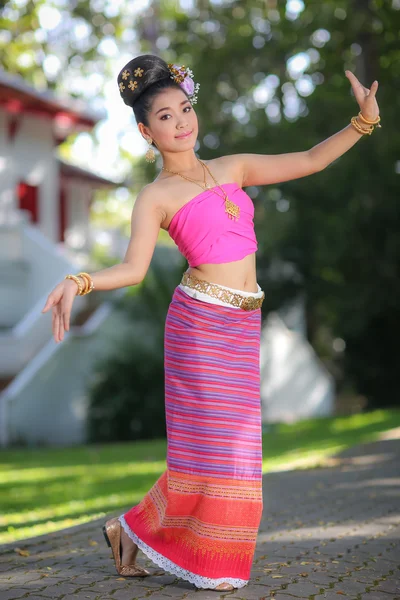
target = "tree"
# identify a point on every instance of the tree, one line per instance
(272, 81)
(341, 231)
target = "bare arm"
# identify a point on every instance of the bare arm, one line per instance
(259, 169)
(145, 225)
(263, 169)
(324, 153)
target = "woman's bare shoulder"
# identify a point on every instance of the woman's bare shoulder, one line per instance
(159, 189)
(158, 193)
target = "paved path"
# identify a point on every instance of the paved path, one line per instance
(327, 533)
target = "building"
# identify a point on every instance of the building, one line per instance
(44, 219)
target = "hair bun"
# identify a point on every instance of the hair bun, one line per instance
(138, 74)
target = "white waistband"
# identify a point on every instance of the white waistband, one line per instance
(206, 298)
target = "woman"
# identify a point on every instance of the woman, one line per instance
(200, 519)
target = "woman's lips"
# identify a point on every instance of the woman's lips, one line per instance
(184, 136)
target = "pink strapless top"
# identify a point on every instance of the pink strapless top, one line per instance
(205, 234)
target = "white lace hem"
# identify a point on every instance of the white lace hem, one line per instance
(169, 566)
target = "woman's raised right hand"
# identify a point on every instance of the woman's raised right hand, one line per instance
(60, 300)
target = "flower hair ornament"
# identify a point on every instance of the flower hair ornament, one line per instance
(179, 73)
(184, 76)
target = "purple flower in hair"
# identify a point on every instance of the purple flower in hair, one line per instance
(183, 76)
(188, 85)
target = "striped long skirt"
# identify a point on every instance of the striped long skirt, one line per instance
(200, 519)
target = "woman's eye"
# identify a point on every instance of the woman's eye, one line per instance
(167, 114)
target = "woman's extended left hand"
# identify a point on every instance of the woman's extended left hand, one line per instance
(365, 97)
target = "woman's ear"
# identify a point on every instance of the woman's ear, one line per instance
(143, 130)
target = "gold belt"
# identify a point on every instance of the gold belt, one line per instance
(216, 291)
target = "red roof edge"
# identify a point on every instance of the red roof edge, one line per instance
(17, 95)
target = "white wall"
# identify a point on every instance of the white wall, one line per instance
(7, 174)
(30, 157)
(15, 274)
(294, 382)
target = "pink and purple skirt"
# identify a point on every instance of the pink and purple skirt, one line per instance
(200, 519)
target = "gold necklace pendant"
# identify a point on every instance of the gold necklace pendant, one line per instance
(232, 209)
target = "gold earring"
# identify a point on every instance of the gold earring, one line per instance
(150, 156)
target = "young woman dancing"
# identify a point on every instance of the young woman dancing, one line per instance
(200, 519)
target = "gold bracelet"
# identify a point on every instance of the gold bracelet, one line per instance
(360, 129)
(88, 281)
(376, 122)
(77, 281)
(87, 285)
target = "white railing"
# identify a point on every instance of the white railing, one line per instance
(46, 402)
(29, 330)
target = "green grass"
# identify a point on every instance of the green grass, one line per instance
(43, 490)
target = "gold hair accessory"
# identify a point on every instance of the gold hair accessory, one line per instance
(132, 85)
(179, 73)
(184, 76)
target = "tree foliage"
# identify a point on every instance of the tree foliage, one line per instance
(272, 81)
(341, 232)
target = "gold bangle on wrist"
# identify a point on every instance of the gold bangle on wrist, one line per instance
(367, 122)
(364, 130)
(77, 281)
(360, 129)
(89, 286)
(86, 283)
(83, 281)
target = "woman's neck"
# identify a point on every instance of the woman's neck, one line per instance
(182, 164)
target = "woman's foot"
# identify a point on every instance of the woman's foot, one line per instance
(225, 587)
(128, 549)
(113, 532)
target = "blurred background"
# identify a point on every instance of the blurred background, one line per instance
(75, 415)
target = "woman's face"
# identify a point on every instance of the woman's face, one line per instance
(172, 115)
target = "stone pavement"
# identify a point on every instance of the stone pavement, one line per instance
(328, 532)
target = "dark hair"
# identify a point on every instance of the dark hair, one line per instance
(152, 76)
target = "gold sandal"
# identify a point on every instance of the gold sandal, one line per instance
(224, 587)
(112, 534)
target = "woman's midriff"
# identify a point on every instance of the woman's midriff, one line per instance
(239, 274)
